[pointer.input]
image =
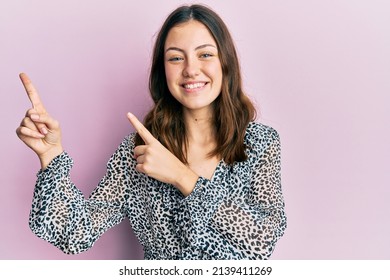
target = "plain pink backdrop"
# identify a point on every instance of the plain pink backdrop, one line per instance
(318, 71)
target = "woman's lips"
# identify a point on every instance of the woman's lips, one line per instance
(189, 87)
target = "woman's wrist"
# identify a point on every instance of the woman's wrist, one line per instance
(47, 157)
(186, 180)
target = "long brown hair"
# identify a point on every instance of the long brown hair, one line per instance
(232, 108)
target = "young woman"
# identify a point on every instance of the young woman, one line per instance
(199, 180)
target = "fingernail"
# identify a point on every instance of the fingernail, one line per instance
(34, 117)
(130, 115)
(44, 130)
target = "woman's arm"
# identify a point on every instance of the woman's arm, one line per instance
(258, 220)
(61, 215)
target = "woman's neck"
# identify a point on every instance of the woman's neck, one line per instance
(202, 141)
(199, 126)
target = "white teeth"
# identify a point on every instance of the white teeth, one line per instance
(192, 86)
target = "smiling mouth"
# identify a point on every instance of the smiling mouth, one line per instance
(194, 85)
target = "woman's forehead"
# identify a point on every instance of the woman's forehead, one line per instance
(189, 34)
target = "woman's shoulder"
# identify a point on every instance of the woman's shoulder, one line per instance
(258, 133)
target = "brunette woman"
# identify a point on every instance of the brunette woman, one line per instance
(200, 179)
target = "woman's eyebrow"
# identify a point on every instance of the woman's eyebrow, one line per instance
(204, 46)
(197, 48)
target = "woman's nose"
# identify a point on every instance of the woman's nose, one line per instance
(192, 68)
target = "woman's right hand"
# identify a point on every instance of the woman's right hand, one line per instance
(38, 130)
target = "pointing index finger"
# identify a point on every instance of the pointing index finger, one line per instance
(141, 129)
(31, 92)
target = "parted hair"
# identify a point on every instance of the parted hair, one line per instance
(233, 110)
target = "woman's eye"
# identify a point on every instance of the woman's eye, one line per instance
(174, 59)
(206, 55)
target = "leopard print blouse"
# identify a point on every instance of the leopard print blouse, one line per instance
(238, 214)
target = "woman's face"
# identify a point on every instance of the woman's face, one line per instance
(192, 67)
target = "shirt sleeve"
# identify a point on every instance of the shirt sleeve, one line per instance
(246, 224)
(62, 216)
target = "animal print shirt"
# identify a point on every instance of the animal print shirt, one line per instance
(238, 214)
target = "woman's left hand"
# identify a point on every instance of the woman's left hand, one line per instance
(156, 161)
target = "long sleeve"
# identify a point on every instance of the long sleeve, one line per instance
(61, 215)
(239, 213)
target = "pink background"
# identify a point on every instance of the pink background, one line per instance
(319, 72)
